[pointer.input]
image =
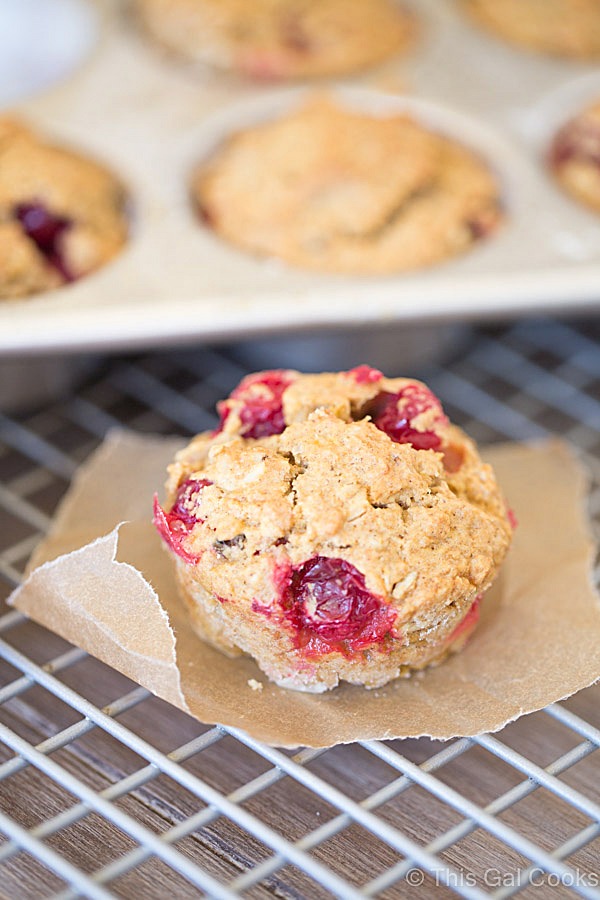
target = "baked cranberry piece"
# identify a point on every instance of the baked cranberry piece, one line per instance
(329, 604)
(175, 526)
(206, 215)
(395, 414)
(365, 374)
(580, 140)
(261, 399)
(293, 33)
(262, 65)
(481, 226)
(45, 229)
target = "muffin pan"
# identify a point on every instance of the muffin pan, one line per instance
(152, 120)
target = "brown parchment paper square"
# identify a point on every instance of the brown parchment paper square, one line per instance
(109, 588)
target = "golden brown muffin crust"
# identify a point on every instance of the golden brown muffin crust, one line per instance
(61, 214)
(568, 28)
(335, 190)
(426, 529)
(280, 39)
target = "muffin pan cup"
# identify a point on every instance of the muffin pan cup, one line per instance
(153, 120)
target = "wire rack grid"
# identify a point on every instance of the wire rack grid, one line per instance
(107, 791)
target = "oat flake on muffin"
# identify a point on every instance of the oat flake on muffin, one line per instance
(335, 527)
(61, 215)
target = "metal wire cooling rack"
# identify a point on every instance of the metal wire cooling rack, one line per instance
(106, 791)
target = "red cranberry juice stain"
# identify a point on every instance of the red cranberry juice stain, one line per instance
(470, 620)
(175, 526)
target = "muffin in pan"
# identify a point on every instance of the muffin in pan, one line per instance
(575, 157)
(332, 189)
(61, 215)
(280, 39)
(566, 28)
(336, 527)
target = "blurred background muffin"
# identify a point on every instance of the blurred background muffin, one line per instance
(61, 215)
(331, 189)
(575, 156)
(279, 39)
(569, 28)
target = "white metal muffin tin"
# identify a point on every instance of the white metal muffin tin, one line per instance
(152, 119)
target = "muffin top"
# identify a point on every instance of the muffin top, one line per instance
(332, 189)
(280, 39)
(61, 214)
(350, 470)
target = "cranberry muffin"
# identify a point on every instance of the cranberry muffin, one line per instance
(566, 28)
(335, 527)
(575, 157)
(334, 190)
(279, 39)
(61, 215)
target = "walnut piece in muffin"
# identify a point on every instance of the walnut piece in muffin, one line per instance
(335, 527)
(61, 215)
